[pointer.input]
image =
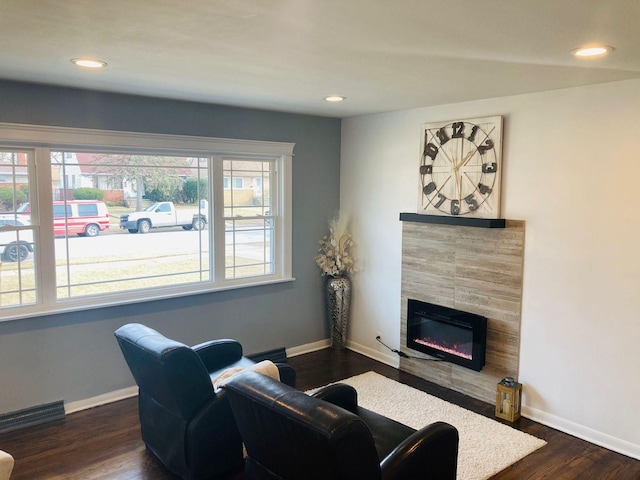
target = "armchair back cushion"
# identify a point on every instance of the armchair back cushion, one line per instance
(183, 421)
(290, 435)
(168, 371)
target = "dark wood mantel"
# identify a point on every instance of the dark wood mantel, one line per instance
(458, 221)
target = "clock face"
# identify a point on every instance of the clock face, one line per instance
(460, 168)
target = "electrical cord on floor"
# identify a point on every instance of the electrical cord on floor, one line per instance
(404, 355)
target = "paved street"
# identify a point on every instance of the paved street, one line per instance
(157, 243)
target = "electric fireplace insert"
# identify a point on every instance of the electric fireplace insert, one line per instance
(451, 335)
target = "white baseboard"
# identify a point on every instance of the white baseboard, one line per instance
(98, 400)
(391, 360)
(585, 433)
(129, 392)
(307, 348)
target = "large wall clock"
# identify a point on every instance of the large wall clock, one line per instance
(460, 168)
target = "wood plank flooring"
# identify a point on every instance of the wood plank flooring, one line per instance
(104, 442)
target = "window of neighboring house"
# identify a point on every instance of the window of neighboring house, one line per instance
(233, 182)
(207, 234)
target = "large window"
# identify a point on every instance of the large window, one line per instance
(122, 217)
(17, 242)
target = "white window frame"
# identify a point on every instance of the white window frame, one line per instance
(42, 139)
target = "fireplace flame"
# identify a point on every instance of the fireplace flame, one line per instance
(458, 349)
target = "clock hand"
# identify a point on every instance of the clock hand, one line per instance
(455, 173)
(466, 158)
(470, 154)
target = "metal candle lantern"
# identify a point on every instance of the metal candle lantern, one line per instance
(508, 399)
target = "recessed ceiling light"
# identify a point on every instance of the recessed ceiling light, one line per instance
(592, 51)
(87, 63)
(335, 98)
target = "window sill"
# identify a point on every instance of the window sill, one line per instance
(93, 303)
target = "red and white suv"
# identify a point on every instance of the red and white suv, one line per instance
(85, 218)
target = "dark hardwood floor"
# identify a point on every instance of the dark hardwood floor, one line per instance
(104, 442)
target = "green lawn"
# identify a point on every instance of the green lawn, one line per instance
(96, 275)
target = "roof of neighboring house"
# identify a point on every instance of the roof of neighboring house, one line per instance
(20, 169)
(98, 164)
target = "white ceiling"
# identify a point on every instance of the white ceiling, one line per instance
(287, 55)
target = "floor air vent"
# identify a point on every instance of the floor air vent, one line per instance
(277, 355)
(31, 416)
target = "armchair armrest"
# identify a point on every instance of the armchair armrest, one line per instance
(216, 354)
(287, 374)
(340, 394)
(431, 451)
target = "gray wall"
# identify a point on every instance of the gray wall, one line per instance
(74, 356)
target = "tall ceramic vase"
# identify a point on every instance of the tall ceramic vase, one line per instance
(338, 292)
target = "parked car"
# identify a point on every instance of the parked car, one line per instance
(85, 218)
(13, 249)
(165, 214)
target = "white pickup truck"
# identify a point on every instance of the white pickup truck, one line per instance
(165, 214)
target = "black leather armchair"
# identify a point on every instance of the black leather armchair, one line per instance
(184, 422)
(291, 436)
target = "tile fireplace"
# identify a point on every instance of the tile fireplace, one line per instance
(475, 270)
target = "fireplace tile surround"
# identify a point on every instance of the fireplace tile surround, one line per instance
(477, 270)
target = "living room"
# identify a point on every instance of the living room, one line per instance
(569, 161)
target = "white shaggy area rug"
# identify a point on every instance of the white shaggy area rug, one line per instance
(486, 446)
